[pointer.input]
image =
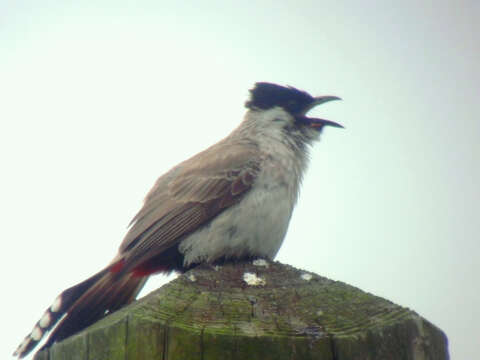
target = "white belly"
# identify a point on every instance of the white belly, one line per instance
(255, 227)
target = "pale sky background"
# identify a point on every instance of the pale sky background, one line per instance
(99, 98)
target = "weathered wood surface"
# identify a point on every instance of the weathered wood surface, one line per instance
(212, 313)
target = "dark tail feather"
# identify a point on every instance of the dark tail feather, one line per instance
(82, 305)
(105, 296)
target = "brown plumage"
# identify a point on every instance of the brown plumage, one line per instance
(193, 212)
(182, 200)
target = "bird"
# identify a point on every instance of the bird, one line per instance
(230, 202)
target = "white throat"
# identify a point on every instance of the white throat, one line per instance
(258, 223)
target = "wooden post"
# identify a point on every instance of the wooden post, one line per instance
(259, 310)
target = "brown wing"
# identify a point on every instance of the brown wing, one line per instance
(187, 197)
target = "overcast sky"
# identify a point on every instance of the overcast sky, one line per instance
(99, 98)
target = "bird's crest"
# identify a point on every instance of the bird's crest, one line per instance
(267, 95)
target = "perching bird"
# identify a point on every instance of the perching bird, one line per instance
(232, 201)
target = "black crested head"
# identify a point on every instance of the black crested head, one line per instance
(267, 95)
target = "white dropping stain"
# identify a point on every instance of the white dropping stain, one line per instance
(320, 312)
(216, 267)
(253, 280)
(306, 276)
(36, 334)
(45, 320)
(56, 304)
(260, 262)
(192, 278)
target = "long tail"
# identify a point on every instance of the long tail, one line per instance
(81, 305)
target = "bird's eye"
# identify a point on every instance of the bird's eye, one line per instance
(277, 120)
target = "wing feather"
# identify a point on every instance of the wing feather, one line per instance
(187, 197)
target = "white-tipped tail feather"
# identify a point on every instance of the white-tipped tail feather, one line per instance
(82, 305)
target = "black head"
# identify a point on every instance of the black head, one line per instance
(267, 95)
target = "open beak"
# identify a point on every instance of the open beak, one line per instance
(316, 122)
(319, 123)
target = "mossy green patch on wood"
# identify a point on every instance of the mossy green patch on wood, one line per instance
(108, 342)
(145, 338)
(72, 348)
(217, 346)
(183, 344)
(212, 313)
